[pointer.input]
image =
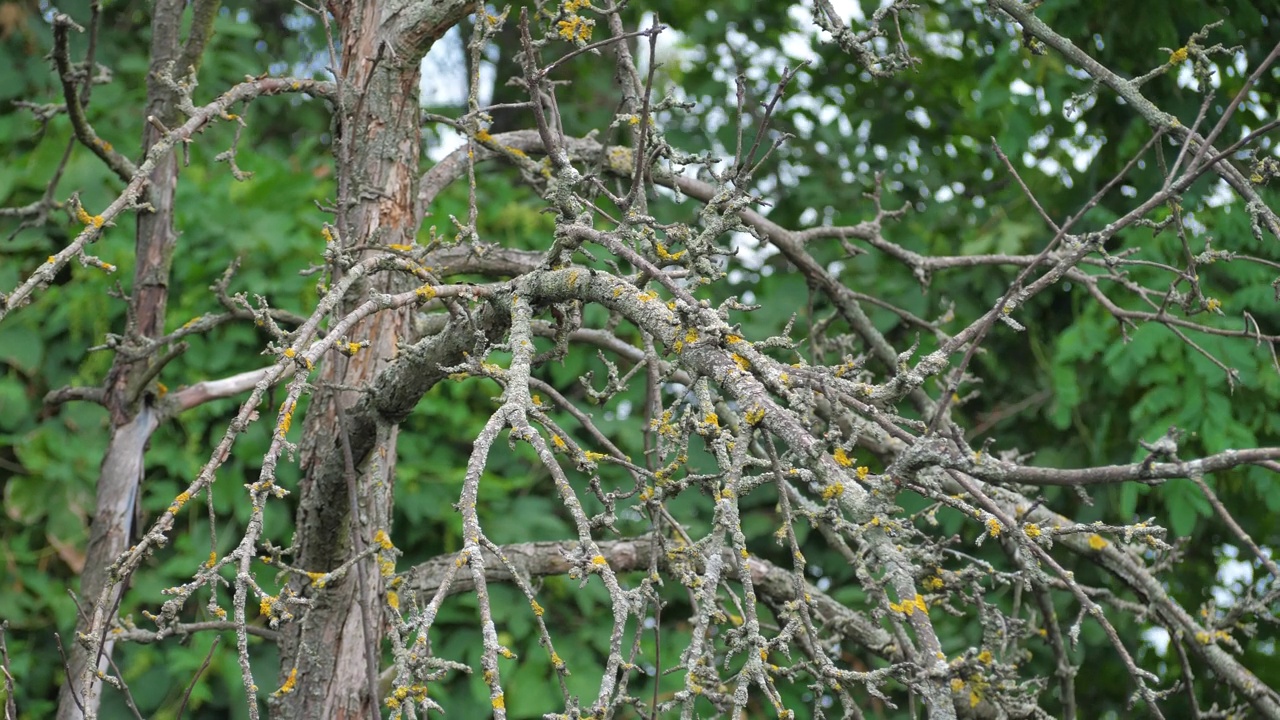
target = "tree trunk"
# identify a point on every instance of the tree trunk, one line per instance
(132, 420)
(333, 651)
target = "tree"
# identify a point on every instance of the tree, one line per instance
(808, 360)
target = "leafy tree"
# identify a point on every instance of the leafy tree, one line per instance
(755, 359)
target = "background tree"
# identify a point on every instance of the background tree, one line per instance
(771, 359)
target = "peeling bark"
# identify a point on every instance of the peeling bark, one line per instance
(334, 648)
(132, 420)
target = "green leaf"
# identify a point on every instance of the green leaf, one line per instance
(1081, 341)
(26, 499)
(531, 691)
(1185, 505)
(1126, 360)
(21, 347)
(1127, 505)
(15, 408)
(1066, 395)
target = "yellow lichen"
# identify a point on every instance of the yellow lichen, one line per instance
(666, 254)
(842, 458)
(178, 502)
(85, 218)
(1178, 56)
(286, 418)
(621, 160)
(1097, 542)
(289, 683)
(909, 606)
(575, 28)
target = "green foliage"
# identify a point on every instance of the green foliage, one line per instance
(1107, 387)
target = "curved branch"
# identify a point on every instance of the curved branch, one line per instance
(773, 584)
(118, 164)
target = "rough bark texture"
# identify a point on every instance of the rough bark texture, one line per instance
(132, 421)
(332, 652)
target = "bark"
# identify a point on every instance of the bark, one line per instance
(332, 651)
(126, 399)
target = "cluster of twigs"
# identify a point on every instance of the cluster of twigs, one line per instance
(793, 425)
